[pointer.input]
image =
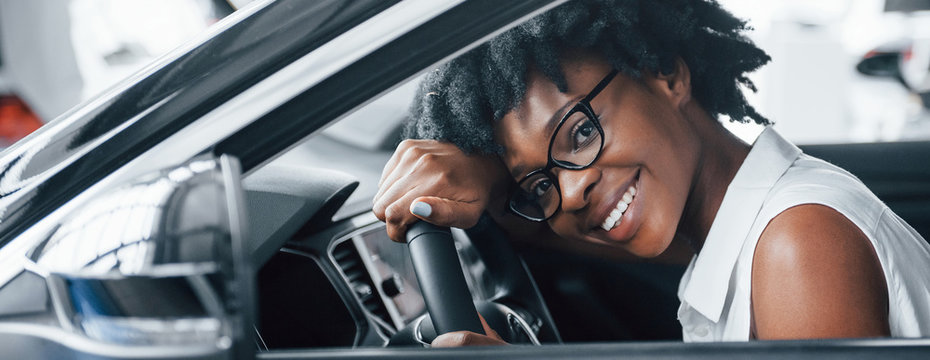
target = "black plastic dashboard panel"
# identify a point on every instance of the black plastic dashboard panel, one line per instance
(319, 246)
(300, 307)
(282, 199)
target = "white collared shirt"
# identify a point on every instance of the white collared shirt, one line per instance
(715, 289)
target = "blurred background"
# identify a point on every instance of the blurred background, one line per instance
(55, 54)
(842, 70)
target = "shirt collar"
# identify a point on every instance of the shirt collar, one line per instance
(770, 156)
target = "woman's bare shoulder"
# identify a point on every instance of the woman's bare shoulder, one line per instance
(815, 274)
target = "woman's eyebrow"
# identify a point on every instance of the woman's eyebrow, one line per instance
(559, 113)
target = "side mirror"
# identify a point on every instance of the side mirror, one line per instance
(881, 64)
(886, 61)
(157, 267)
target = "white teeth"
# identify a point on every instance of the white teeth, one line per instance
(621, 207)
(613, 219)
(607, 225)
(615, 213)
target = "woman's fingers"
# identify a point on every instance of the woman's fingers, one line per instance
(389, 205)
(396, 158)
(464, 338)
(468, 338)
(440, 211)
(395, 171)
(446, 212)
(436, 182)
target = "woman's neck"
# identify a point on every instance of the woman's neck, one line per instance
(722, 154)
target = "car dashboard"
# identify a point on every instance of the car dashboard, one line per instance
(328, 275)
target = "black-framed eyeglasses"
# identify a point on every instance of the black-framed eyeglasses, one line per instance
(576, 143)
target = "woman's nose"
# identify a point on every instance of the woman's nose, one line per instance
(576, 186)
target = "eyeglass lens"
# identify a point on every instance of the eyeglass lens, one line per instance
(575, 145)
(577, 142)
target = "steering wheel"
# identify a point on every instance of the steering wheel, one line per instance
(445, 292)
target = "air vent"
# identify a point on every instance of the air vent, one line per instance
(350, 262)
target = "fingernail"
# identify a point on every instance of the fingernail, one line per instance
(422, 209)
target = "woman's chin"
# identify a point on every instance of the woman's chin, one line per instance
(644, 248)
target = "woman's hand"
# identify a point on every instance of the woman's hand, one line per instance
(438, 183)
(468, 338)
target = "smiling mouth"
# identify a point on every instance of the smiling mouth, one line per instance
(616, 215)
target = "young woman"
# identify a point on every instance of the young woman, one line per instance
(599, 120)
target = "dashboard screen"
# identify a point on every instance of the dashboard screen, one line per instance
(391, 267)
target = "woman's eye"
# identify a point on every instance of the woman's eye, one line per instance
(540, 187)
(583, 134)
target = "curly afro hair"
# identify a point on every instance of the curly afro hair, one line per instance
(460, 101)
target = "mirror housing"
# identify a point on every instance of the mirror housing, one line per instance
(881, 64)
(157, 264)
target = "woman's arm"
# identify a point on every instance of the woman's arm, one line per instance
(816, 275)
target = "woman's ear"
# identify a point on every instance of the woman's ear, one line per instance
(676, 84)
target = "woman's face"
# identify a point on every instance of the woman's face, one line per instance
(650, 152)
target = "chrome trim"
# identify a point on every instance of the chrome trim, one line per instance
(523, 326)
(417, 335)
(86, 345)
(513, 315)
(61, 304)
(130, 269)
(259, 340)
(504, 309)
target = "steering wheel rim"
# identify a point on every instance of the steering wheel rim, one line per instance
(445, 292)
